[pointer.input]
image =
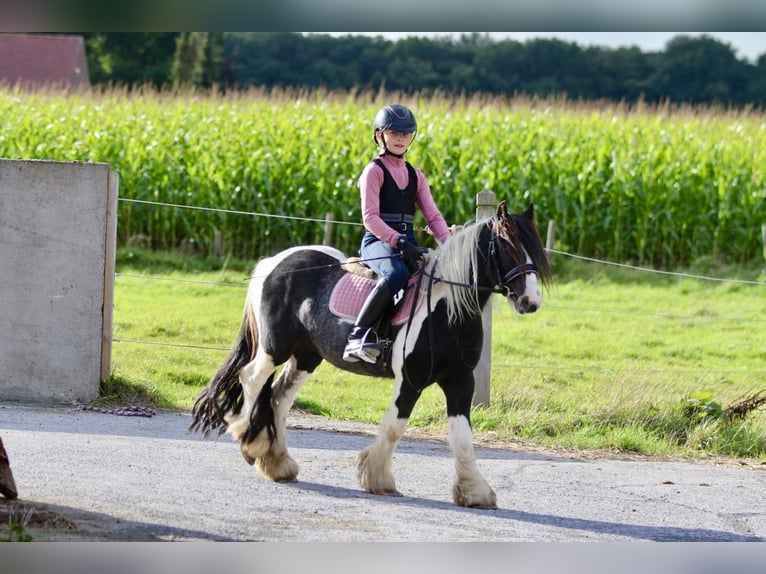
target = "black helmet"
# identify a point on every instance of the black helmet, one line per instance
(396, 117)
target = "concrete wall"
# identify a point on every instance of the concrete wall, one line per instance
(57, 245)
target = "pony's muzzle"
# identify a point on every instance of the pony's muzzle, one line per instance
(526, 304)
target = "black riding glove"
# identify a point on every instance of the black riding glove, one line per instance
(412, 253)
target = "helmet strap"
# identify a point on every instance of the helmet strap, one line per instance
(386, 150)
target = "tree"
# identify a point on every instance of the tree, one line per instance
(622, 74)
(130, 58)
(694, 70)
(197, 60)
(212, 65)
(701, 70)
(189, 58)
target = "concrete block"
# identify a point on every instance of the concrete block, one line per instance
(57, 249)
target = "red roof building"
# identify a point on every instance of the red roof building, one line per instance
(39, 60)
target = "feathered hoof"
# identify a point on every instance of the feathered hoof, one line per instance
(279, 468)
(478, 497)
(372, 478)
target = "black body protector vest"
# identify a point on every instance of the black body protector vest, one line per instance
(397, 206)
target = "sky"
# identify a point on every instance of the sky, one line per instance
(747, 45)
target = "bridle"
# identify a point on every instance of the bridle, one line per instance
(503, 285)
(504, 281)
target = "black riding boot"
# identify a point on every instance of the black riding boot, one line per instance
(363, 341)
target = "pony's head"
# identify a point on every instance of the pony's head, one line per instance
(503, 254)
(517, 255)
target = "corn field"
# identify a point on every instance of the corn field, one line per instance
(662, 186)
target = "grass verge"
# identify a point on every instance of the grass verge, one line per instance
(617, 359)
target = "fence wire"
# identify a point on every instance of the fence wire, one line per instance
(550, 251)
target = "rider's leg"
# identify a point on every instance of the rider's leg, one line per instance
(363, 341)
(392, 276)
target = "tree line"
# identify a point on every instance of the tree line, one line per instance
(694, 70)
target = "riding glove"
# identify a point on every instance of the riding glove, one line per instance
(412, 253)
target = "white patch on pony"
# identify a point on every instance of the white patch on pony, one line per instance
(266, 266)
(373, 464)
(532, 290)
(402, 347)
(470, 488)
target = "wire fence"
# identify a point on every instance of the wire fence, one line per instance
(682, 275)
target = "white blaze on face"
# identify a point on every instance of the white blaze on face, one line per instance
(532, 290)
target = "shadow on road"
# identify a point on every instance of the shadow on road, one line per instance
(635, 531)
(55, 523)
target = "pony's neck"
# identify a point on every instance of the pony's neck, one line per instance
(463, 261)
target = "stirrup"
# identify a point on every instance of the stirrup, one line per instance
(360, 348)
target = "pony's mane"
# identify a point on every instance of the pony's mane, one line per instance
(457, 257)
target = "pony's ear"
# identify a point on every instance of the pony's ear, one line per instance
(529, 213)
(502, 210)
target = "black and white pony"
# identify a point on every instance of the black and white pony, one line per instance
(287, 321)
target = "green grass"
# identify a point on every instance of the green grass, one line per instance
(610, 362)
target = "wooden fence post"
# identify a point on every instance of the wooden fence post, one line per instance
(763, 236)
(550, 236)
(486, 204)
(328, 219)
(217, 244)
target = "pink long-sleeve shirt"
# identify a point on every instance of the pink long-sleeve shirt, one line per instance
(370, 183)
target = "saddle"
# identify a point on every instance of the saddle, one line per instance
(350, 293)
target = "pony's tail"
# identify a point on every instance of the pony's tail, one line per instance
(223, 393)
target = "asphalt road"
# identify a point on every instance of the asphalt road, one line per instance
(145, 479)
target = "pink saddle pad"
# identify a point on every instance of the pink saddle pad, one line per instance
(350, 292)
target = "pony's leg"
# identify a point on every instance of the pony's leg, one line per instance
(374, 463)
(252, 377)
(276, 464)
(470, 488)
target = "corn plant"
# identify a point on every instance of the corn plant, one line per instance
(662, 186)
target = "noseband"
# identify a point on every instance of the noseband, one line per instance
(504, 281)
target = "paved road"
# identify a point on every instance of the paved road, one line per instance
(134, 478)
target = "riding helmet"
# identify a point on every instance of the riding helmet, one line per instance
(395, 117)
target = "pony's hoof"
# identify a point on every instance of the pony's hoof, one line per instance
(486, 499)
(248, 459)
(279, 468)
